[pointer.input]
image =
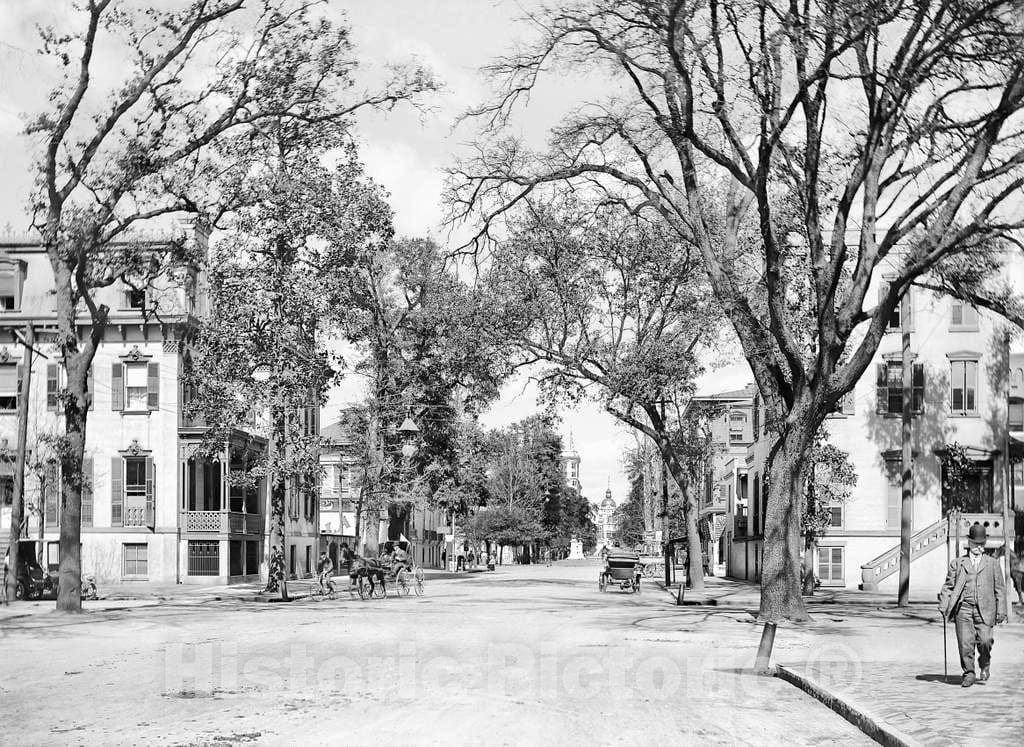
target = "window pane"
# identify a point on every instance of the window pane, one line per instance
(135, 375)
(837, 516)
(135, 473)
(1016, 416)
(957, 380)
(8, 378)
(970, 384)
(958, 314)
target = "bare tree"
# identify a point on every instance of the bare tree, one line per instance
(116, 154)
(800, 149)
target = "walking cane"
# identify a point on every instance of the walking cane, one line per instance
(945, 654)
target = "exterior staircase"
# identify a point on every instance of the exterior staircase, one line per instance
(923, 542)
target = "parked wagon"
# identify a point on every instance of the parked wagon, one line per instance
(623, 569)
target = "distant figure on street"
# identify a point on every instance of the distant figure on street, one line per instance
(400, 559)
(471, 558)
(1017, 575)
(444, 558)
(347, 556)
(973, 599)
(460, 560)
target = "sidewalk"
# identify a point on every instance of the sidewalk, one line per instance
(132, 595)
(880, 666)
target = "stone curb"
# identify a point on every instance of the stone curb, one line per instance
(872, 725)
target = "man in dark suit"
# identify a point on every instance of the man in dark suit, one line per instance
(973, 598)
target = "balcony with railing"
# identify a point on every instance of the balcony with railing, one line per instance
(221, 522)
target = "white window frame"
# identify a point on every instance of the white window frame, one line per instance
(141, 402)
(965, 411)
(829, 579)
(124, 559)
(12, 393)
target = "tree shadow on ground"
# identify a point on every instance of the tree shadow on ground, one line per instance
(950, 679)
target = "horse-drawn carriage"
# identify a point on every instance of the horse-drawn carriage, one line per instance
(369, 577)
(622, 568)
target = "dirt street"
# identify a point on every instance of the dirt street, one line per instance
(524, 655)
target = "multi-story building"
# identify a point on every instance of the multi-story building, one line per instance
(729, 418)
(156, 508)
(962, 389)
(571, 465)
(423, 527)
(607, 524)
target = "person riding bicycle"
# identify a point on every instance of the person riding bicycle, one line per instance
(324, 570)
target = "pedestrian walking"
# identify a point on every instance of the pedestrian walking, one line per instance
(1017, 576)
(973, 599)
(472, 558)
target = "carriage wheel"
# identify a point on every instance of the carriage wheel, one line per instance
(418, 586)
(364, 593)
(402, 581)
(380, 591)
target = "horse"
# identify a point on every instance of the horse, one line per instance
(368, 569)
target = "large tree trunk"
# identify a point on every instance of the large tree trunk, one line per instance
(780, 568)
(278, 497)
(694, 560)
(76, 410)
(694, 568)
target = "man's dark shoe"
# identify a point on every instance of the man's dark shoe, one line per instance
(968, 680)
(983, 674)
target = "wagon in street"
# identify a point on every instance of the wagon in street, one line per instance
(623, 569)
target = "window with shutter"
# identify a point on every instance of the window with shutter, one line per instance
(135, 493)
(116, 492)
(963, 317)
(890, 388)
(50, 491)
(87, 501)
(894, 318)
(150, 494)
(153, 386)
(755, 502)
(90, 388)
(918, 388)
(136, 387)
(117, 387)
(51, 387)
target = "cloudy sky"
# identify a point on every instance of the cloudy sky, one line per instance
(405, 151)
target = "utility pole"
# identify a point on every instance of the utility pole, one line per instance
(1009, 532)
(664, 513)
(907, 460)
(18, 501)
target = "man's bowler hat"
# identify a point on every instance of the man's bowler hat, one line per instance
(977, 534)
